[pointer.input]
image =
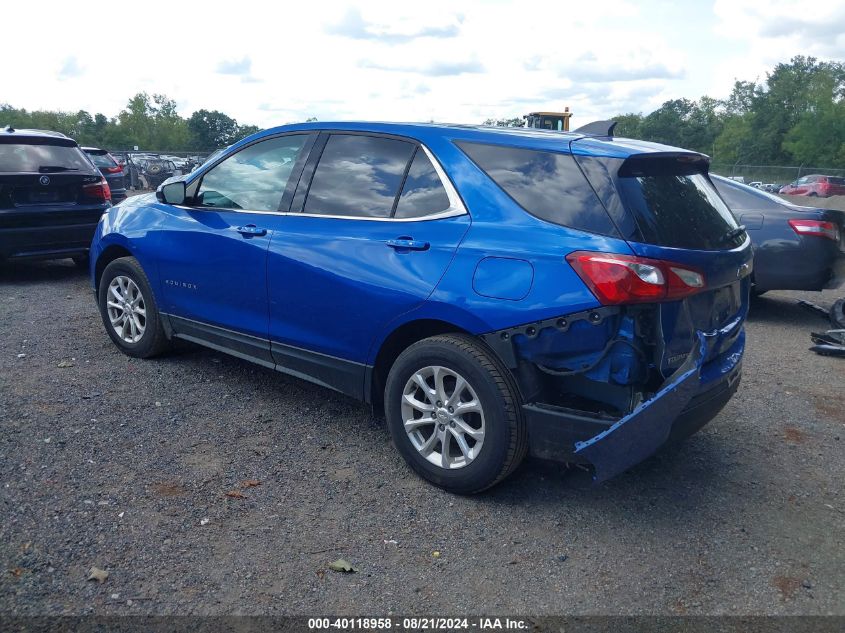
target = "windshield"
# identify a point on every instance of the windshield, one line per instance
(19, 157)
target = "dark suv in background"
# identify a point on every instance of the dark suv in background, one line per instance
(112, 171)
(51, 196)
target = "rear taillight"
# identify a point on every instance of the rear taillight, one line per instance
(116, 169)
(616, 279)
(97, 191)
(819, 228)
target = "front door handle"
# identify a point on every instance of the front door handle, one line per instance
(250, 230)
(407, 244)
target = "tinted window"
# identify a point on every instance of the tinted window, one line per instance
(833, 180)
(254, 178)
(101, 160)
(546, 184)
(739, 198)
(19, 157)
(423, 193)
(358, 176)
(675, 205)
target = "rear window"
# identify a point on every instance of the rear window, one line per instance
(548, 185)
(20, 157)
(358, 176)
(675, 205)
(101, 160)
(742, 198)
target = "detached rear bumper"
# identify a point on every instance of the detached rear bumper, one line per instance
(692, 397)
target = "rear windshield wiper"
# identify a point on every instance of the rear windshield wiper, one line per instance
(48, 168)
(734, 233)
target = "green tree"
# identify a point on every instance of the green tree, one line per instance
(211, 130)
(628, 125)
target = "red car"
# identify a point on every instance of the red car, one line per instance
(815, 185)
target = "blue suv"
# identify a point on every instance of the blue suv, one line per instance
(496, 291)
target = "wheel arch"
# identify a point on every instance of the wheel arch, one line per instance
(109, 254)
(394, 344)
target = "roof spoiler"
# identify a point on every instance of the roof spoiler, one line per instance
(597, 128)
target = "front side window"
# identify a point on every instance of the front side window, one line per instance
(358, 176)
(423, 193)
(253, 179)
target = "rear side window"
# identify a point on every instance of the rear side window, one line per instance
(833, 180)
(675, 205)
(548, 185)
(358, 176)
(423, 193)
(254, 178)
(20, 157)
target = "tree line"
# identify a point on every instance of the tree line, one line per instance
(795, 116)
(149, 122)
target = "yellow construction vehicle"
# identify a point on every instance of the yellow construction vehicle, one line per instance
(549, 120)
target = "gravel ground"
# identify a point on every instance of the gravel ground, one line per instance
(124, 464)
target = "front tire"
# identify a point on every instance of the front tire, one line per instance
(129, 310)
(453, 412)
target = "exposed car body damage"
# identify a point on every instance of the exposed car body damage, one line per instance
(608, 387)
(641, 432)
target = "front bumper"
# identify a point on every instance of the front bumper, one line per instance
(693, 396)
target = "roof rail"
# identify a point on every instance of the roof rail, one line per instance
(597, 128)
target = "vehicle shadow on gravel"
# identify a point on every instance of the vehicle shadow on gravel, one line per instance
(27, 272)
(681, 478)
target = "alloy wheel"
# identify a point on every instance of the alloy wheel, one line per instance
(443, 417)
(126, 309)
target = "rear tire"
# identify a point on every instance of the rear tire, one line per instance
(485, 443)
(129, 311)
(81, 261)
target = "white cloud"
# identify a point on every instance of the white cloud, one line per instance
(70, 69)
(272, 63)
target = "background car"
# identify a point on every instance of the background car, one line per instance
(51, 196)
(111, 169)
(815, 185)
(151, 171)
(795, 248)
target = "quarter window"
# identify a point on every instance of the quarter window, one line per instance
(423, 193)
(358, 176)
(253, 179)
(548, 185)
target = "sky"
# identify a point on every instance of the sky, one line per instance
(270, 63)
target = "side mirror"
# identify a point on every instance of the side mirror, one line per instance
(172, 192)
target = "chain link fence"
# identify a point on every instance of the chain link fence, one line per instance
(771, 174)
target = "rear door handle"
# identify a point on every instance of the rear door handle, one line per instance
(250, 230)
(407, 244)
